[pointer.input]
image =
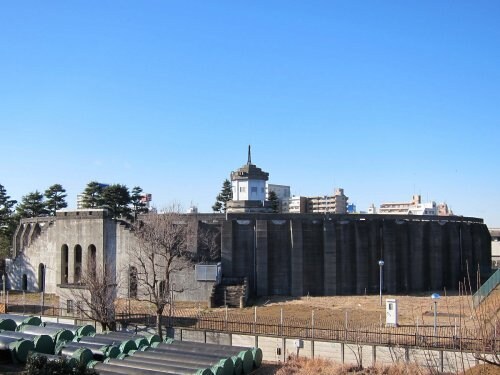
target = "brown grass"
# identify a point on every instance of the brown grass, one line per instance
(318, 366)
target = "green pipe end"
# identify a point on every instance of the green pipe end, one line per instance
(83, 355)
(20, 349)
(257, 357)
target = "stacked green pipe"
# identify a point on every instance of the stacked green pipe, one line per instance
(244, 354)
(124, 345)
(18, 348)
(222, 363)
(159, 365)
(99, 351)
(217, 366)
(138, 340)
(43, 343)
(83, 355)
(84, 330)
(113, 369)
(22, 320)
(57, 334)
(150, 337)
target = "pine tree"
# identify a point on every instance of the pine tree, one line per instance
(55, 199)
(7, 222)
(275, 203)
(223, 197)
(92, 195)
(117, 198)
(32, 205)
(138, 206)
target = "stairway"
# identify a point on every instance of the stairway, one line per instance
(229, 292)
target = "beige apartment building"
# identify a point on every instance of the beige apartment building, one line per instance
(335, 204)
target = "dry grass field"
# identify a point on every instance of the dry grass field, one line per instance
(363, 310)
(304, 366)
(366, 310)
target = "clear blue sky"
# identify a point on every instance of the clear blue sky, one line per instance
(383, 98)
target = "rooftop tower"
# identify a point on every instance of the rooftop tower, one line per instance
(249, 188)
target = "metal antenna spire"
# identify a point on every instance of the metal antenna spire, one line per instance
(249, 156)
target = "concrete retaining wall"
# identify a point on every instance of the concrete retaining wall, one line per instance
(279, 349)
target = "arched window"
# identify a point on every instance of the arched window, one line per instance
(78, 264)
(162, 289)
(25, 282)
(41, 277)
(132, 282)
(64, 263)
(92, 260)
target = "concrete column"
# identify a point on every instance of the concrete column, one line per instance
(261, 258)
(297, 255)
(227, 248)
(71, 264)
(330, 258)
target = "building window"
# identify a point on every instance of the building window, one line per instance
(92, 260)
(69, 306)
(77, 271)
(132, 282)
(254, 190)
(242, 189)
(64, 264)
(25, 282)
(41, 277)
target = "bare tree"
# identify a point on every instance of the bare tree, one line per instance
(95, 295)
(161, 251)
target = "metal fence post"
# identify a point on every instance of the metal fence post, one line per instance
(255, 320)
(225, 324)
(281, 321)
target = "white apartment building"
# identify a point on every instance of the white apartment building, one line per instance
(415, 207)
(296, 205)
(336, 203)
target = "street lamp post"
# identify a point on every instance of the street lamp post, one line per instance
(435, 297)
(381, 264)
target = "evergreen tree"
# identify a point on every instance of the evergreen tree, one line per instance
(32, 205)
(116, 197)
(275, 203)
(92, 195)
(223, 197)
(55, 199)
(7, 222)
(138, 206)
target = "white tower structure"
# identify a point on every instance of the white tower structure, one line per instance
(249, 188)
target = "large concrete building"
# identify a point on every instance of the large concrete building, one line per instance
(277, 254)
(323, 253)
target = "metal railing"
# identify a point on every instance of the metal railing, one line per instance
(446, 337)
(451, 337)
(486, 288)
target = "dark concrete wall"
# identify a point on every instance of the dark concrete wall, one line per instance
(338, 254)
